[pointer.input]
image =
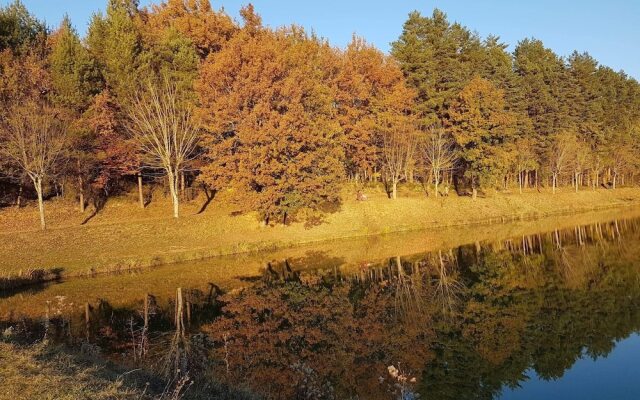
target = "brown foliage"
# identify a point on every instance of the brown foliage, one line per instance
(208, 29)
(269, 113)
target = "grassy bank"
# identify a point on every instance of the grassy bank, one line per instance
(122, 236)
(48, 372)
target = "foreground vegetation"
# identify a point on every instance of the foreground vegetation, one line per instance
(49, 372)
(121, 236)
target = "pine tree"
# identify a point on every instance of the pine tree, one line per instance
(438, 58)
(115, 41)
(74, 73)
(19, 29)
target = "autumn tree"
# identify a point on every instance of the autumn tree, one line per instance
(75, 79)
(483, 130)
(438, 149)
(561, 152)
(23, 77)
(398, 129)
(166, 132)
(366, 76)
(115, 154)
(35, 134)
(579, 162)
(207, 29)
(270, 120)
(621, 156)
(525, 160)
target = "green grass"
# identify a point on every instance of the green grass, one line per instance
(123, 236)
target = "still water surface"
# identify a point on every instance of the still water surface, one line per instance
(531, 311)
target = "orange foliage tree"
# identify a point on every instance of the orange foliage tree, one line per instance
(115, 155)
(365, 78)
(270, 117)
(206, 28)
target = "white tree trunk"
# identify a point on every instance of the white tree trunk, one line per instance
(140, 196)
(394, 192)
(173, 188)
(81, 195)
(37, 183)
(614, 180)
(520, 181)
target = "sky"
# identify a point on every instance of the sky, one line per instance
(608, 29)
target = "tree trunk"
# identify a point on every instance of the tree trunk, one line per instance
(140, 196)
(575, 181)
(436, 185)
(19, 198)
(554, 182)
(173, 189)
(614, 178)
(526, 179)
(37, 183)
(81, 195)
(182, 186)
(520, 182)
(394, 189)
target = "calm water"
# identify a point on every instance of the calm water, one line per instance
(553, 313)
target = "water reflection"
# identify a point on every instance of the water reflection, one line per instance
(464, 323)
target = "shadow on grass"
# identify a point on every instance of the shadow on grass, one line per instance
(98, 205)
(209, 196)
(32, 281)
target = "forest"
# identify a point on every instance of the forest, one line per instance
(182, 95)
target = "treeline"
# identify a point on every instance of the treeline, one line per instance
(279, 119)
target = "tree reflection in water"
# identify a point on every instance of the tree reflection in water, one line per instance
(464, 323)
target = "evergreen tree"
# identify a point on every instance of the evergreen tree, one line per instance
(115, 41)
(438, 58)
(18, 28)
(73, 71)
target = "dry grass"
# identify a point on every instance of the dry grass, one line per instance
(44, 372)
(123, 237)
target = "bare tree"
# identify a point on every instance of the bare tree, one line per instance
(621, 157)
(439, 154)
(398, 144)
(166, 132)
(560, 156)
(35, 136)
(525, 160)
(580, 160)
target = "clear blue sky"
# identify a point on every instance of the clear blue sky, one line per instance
(608, 29)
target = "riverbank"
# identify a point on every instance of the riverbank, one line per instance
(43, 371)
(122, 237)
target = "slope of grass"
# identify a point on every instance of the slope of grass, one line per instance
(47, 372)
(123, 236)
